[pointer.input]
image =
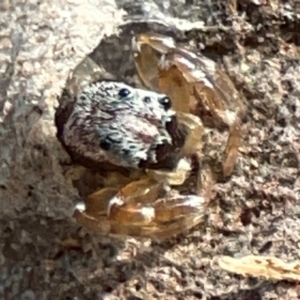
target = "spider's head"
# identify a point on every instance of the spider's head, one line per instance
(125, 126)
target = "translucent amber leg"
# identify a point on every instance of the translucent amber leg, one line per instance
(231, 150)
(136, 211)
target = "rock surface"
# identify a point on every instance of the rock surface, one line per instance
(43, 253)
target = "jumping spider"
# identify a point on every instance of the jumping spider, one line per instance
(113, 127)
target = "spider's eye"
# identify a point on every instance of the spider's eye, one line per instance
(105, 144)
(165, 102)
(147, 100)
(124, 93)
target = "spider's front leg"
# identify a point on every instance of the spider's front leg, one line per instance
(194, 83)
(212, 90)
(136, 210)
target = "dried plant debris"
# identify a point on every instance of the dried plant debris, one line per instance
(270, 267)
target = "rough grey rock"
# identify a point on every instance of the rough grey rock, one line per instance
(41, 42)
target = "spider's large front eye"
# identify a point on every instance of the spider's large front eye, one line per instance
(124, 93)
(165, 102)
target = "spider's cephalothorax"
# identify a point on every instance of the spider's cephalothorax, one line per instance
(110, 126)
(129, 127)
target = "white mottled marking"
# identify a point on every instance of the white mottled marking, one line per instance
(148, 213)
(80, 206)
(114, 201)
